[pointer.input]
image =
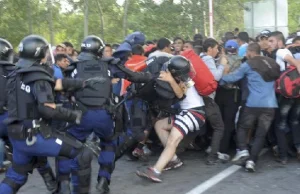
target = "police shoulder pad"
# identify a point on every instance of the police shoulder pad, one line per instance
(35, 73)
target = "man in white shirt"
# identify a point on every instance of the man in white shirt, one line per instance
(172, 130)
(289, 109)
(282, 55)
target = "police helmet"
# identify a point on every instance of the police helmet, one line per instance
(32, 49)
(180, 68)
(6, 50)
(92, 44)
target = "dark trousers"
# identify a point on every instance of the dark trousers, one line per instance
(229, 102)
(213, 115)
(249, 118)
(287, 120)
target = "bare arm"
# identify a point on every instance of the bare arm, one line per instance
(166, 76)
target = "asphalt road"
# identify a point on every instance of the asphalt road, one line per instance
(270, 177)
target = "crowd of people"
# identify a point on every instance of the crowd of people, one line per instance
(114, 99)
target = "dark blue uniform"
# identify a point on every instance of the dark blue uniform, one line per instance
(26, 98)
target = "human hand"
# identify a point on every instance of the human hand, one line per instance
(166, 76)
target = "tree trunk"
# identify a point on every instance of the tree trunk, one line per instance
(126, 4)
(50, 19)
(86, 18)
(29, 17)
(101, 19)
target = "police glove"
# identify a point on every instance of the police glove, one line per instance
(90, 83)
(69, 84)
(137, 77)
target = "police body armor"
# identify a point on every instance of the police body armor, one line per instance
(5, 69)
(21, 102)
(99, 96)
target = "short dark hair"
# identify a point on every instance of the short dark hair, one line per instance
(108, 45)
(68, 44)
(137, 50)
(236, 29)
(278, 35)
(178, 38)
(209, 43)
(243, 36)
(254, 47)
(60, 57)
(190, 42)
(163, 43)
(297, 38)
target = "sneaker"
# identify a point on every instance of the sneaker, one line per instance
(223, 157)
(250, 166)
(173, 164)
(241, 156)
(149, 174)
(208, 150)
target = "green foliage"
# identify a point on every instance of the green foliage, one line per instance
(171, 18)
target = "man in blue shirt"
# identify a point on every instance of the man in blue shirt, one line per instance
(243, 39)
(261, 73)
(61, 63)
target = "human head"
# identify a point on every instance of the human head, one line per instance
(188, 45)
(228, 36)
(210, 47)
(242, 38)
(276, 40)
(236, 30)
(178, 44)
(180, 68)
(231, 47)
(6, 51)
(74, 55)
(93, 44)
(62, 61)
(164, 45)
(69, 48)
(296, 41)
(138, 50)
(107, 52)
(253, 50)
(32, 49)
(60, 49)
(262, 39)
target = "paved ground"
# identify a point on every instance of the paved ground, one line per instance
(269, 178)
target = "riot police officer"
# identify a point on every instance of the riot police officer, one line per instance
(100, 114)
(30, 109)
(6, 66)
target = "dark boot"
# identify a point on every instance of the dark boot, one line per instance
(102, 185)
(49, 179)
(64, 187)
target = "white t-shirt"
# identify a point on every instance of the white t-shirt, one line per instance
(192, 99)
(280, 55)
